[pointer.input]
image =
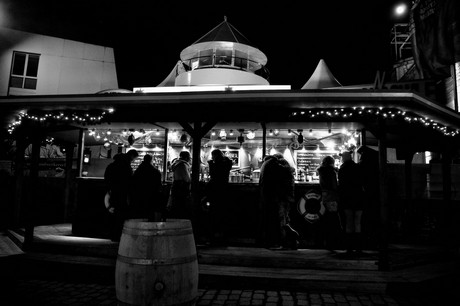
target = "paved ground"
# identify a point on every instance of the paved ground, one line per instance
(17, 289)
(38, 292)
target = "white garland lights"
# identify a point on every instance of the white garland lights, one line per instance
(394, 114)
(60, 116)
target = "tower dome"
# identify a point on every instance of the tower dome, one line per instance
(223, 56)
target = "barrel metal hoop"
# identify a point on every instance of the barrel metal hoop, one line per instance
(187, 303)
(177, 232)
(160, 261)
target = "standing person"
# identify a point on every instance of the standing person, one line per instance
(118, 177)
(180, 199)
(146, 192)
(277, 195)
(352, 199)
(217, 189)
(331, 222)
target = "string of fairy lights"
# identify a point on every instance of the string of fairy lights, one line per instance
(89, 117)
(354, 113)
(385, 113)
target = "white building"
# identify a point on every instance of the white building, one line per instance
(33, 64)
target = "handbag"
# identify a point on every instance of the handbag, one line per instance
(331, 206)
(329, 200)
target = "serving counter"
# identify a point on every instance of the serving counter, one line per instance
(243, 218)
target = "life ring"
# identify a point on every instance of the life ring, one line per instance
(311, 207)
(107, 200)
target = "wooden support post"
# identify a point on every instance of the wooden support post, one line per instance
(68, 203)
(81, 150)
(409, 209)
(264, 140)
(383, 263)
(21, 145)
(33, 193)
(196, 132)
(447, 207)
(165, 154)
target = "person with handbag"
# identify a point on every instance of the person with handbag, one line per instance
(277, 196)
(331, 221)
(351, 193)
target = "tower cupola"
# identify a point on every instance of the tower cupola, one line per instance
(223, 56)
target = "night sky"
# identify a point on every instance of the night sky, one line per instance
(353, 37)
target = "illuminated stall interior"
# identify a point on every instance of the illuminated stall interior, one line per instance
(302, 144)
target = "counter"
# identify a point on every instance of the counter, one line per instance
(244, 210)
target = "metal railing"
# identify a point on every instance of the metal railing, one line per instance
(230, 62)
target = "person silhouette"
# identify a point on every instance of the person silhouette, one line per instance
(146, 192)
(118, 178)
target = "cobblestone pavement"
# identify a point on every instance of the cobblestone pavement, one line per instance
(51, 292)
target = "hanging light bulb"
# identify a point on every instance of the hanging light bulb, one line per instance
(270, 133)
(231, 132)
(289, 132)
(223, 134)
(311, 132)
(251, 135)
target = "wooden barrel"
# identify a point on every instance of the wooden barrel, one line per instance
(157, 263)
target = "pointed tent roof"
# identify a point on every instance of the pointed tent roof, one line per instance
(322, 77)
(224, 35)
(170, 80)
(224, 32)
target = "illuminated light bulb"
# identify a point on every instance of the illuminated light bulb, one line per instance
(157, 132)
(289, 132)
(251, 135)
(311, 132)
(109, 132)
(401, 9)
(271, 133)
(223, 133)
(231, 132)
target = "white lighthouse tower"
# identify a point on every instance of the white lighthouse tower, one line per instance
(221, 57)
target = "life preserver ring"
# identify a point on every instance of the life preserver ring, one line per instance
(107, 200)
(311, 207)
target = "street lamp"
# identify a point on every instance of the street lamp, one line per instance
(401, 9)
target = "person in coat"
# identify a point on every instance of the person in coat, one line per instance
(331, 222)
(217, 189)
(146, 192)
(118, 178)
(277, 196)
(180, 199)
(352, 199)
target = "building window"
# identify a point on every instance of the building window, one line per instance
(24, 70)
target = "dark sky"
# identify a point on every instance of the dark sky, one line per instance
(353, 37)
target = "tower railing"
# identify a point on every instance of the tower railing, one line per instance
(229, 62)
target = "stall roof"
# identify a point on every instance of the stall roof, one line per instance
(408, 117)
